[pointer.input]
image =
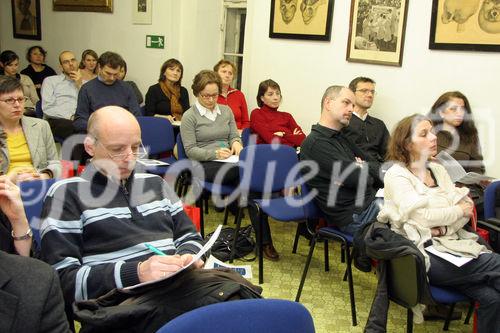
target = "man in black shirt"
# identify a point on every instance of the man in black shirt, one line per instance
(367, 132)
(345, 180)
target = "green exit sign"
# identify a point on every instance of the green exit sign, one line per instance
(155, 42)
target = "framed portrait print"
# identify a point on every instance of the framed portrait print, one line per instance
(26, 19)
(377, 31)
(466, 25)
(84, 5)
(301, 19)
(142, 12)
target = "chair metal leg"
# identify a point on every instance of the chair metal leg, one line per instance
(327, 256)
(226, 214)
(296, 240)
(351, 285)
(409, 321)
(236, 230)
(306, 268)
(469, 313)
(448, 317)
(259, 241)
(342, 252)
(205, 199)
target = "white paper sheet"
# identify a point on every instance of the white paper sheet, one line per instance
(204, 249)
(230, 159)
(455, 260)
(243, 270)
(150, 162)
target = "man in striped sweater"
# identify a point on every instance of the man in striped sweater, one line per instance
(95, 227)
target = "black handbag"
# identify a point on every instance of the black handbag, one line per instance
(223, 245)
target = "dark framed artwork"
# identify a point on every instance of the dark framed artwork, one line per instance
(377, 31)
(301, 19)
(83, 5)
(26, 19)
(465, 25)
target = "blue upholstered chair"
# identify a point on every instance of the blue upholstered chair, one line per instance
(244, 316)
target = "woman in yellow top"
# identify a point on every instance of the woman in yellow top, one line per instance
(27, 148)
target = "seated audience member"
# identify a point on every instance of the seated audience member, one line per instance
(29, 151)
(270, 124)
(88, 65)
(105, 90)
(137, 92)
(345, 180)
(31, 296)
(9, 63)
(15, 232)
(37, 70)
(367, 132)
(95, 252)
(168, 98)
(209, 133)
(456, 130)
(59, 96)
(422, 204)
(232, 97)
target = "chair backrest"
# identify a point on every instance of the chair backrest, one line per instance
(33, 194)
(402, 281)
(38, 109)
(244, 316)
(490, 200)
(311, 209)
(264, 168)
(157, 134)
(247, 138)
(143, 110)
(181, 153)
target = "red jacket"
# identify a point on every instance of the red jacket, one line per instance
(266, 121)
(236, 101)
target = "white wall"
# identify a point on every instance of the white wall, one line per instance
(303, 69)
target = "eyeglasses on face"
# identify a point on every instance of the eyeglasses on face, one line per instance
(211, 96)
(136, 152)
(12, 101)
(366, 91)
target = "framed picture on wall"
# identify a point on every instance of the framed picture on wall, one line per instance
(377, 31)
(465, 25)
(26, 19)
(142, 12)
(83, 5)
(301, 19)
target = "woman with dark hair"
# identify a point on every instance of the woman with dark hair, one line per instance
(37, 70)
(456, 131)
(9, 65)
(422, 204)
(168, 98)
(232, 97)
(88, 65)
(135, 88)
(270, 124)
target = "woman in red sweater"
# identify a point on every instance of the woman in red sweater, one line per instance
(232, 97)
(270, 124)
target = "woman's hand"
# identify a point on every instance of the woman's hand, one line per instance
(222, 153)
(467, 207)
(168, 117)
(10, 201)
(297, 131)
(236, 148)
(280, 134)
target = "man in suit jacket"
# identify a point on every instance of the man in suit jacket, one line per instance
(30, 296)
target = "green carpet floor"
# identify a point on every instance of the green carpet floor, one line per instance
(325, 295)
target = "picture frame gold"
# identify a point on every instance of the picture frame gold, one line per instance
(377, 32)
(26, 23)
(301, 19)
(476, 28)
(105, 6)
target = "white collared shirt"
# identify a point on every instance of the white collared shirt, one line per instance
(361, 117)
(204, 112)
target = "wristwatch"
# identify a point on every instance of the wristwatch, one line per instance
(27, 235)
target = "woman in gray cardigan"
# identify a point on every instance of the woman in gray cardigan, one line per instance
(27, 148)
(209, 133)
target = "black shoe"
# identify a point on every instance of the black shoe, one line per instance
(363, 263)
(440, 312)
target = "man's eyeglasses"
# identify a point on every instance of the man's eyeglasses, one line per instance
(136, 152)
(366, 91)
(12, 101)
(212, 96)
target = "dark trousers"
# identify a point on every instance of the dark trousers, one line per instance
(61, 128)
(479, 279)
(232, 178)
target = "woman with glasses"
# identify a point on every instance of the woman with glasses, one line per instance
(168, 98)
(9, 65)
(232, 97)
(28, 150)
(272, 125)
(88, 65)
(209, 133)
(37, 70)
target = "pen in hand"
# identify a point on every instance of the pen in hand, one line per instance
(154, 249)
